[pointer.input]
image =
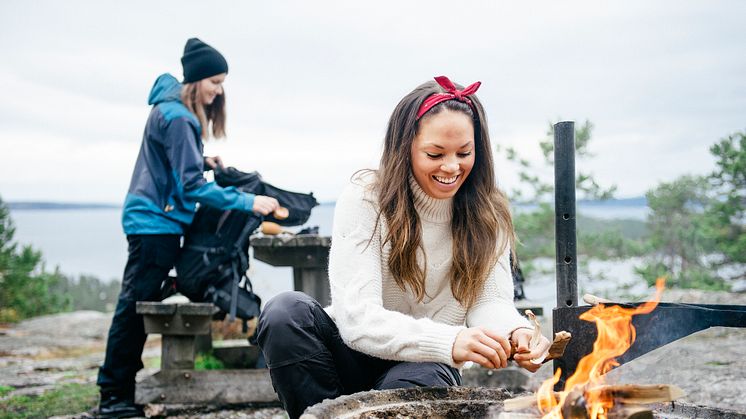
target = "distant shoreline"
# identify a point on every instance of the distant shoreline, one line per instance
(21, 206)
(55, 206)
(42, 205)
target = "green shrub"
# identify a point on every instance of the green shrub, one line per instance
(26, 288)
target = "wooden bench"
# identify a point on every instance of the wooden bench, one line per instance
(177, 382)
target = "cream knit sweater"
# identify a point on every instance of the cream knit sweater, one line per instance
(374, 315)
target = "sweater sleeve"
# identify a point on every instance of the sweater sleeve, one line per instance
(185, 156)
(356, 279)
(494, 309)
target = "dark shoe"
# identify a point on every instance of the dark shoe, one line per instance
(113, 406)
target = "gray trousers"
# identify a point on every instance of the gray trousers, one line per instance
(309, 362)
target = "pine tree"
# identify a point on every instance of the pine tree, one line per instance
(25, 286)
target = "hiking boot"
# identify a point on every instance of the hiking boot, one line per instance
(114, 406)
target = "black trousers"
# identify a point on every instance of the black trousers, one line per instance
(151, 257)
(309, 362)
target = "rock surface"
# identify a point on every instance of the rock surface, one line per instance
(710, 366)
(39, 353)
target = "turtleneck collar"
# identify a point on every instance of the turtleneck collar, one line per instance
(429, 208)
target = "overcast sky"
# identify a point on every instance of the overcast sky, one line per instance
(312, 83)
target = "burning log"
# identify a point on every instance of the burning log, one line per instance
(627, 399)
(617, 412)
(639, 394)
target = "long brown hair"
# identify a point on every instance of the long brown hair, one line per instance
(481, 226)
(210, 116)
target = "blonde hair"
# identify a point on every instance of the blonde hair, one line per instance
(210, 116)
(481, 227)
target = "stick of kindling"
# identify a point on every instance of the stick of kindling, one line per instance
(556, 350)
(594, 300)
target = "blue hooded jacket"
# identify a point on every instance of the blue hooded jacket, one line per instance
(168, 180)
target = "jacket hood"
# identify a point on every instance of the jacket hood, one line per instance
(165, 89)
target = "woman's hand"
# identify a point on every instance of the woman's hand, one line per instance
(482, 346)
(214, 162)
(524, 353)
(265, 204)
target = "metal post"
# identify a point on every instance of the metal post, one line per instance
(564, 213)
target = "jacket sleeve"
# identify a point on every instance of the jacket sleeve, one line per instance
(182, 145)
(356, 280)
(494, 309)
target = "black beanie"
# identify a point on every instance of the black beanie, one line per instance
(201, 61)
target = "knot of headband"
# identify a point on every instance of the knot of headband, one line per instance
(451, 93)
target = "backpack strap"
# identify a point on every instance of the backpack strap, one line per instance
(234, 290)
(238, 261)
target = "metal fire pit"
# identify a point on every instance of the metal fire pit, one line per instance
(667, 323)
(460, 403)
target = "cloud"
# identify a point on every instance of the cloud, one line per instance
(38, 166)
(312, 84)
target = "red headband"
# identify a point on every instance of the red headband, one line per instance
(451, 93)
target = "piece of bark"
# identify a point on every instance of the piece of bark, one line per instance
(561, 339)
(535, 337)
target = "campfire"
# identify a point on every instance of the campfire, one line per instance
(586, 394)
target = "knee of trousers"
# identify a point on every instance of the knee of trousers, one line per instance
(285, 309)
(287, 329)
(420, 374)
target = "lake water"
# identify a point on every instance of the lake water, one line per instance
(80, 241)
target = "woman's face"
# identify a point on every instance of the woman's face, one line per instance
(210, 87)
(443, 153)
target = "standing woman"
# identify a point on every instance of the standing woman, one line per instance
(167, 183)
(419, 267)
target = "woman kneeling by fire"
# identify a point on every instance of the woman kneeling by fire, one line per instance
(419, 267)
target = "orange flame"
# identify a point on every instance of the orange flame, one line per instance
(615, 336)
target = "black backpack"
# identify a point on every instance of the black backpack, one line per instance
(214, 257)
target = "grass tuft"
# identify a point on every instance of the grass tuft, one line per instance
(65, 399)
(207, 361)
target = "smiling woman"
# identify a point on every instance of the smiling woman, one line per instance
(419, 267)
